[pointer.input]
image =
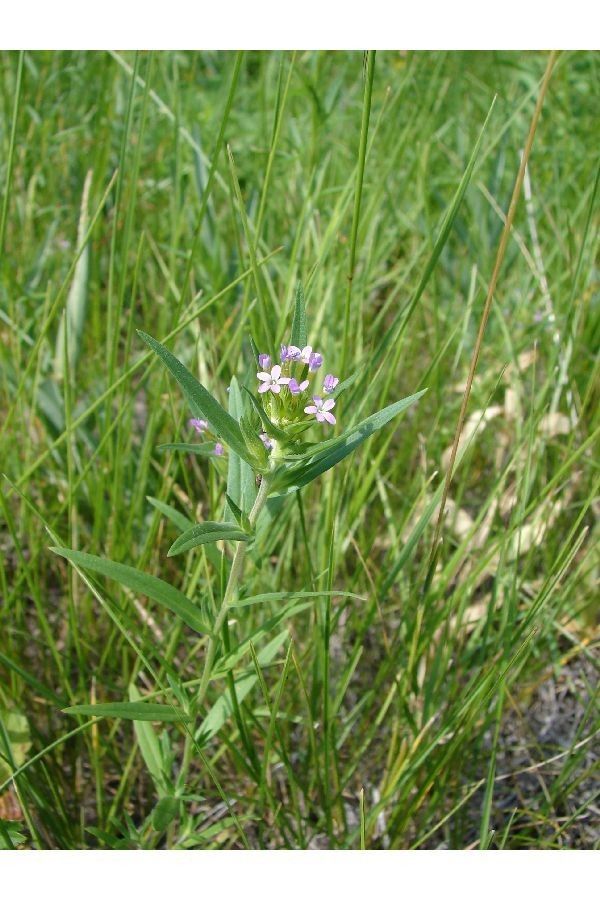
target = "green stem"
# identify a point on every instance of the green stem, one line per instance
(231, 588)
(230, 591)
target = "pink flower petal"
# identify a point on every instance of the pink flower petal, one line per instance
(321, 417)
(263, 376)
(275, 372)
(310, 409)
(329, 418)
(329, 404)
(276, 388)
(263, 388)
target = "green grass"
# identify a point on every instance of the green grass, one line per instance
(398, 705)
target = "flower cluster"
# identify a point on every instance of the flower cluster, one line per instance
(285, 387)
(289, 395)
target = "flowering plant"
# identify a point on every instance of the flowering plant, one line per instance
(262, 438)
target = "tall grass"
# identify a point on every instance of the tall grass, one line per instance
(406, 704)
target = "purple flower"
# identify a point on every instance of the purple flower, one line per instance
(296, 388)
(264, 361)
(266, 440)
(219, 449)
(315, 361)
(199, 424)
(330, 383)
(290, 352)
(321, 410)
(271, 382)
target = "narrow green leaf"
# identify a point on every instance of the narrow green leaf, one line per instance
(142, 583)
(241, 482)
(299, 329)
(271, 429)
(250, 431)
(292, 595)
(205, 449)
(326, 455)
(370, 424)
(206, 533)
(201, 402)
(254, 349)
(76, 304)
(234, 463)
(137, 712)
(239, 515)
(235, 510)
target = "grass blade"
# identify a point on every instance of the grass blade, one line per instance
(137, 712)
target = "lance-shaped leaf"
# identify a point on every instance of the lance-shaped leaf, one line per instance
(142, 583)
(271, 429)
(201, 402)
(206, 533)
(70, 330)
(205, 449)
(238, 514)
(365, 428)
(138, 712)
(254, 349)
(241, 483)
(328, 454)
